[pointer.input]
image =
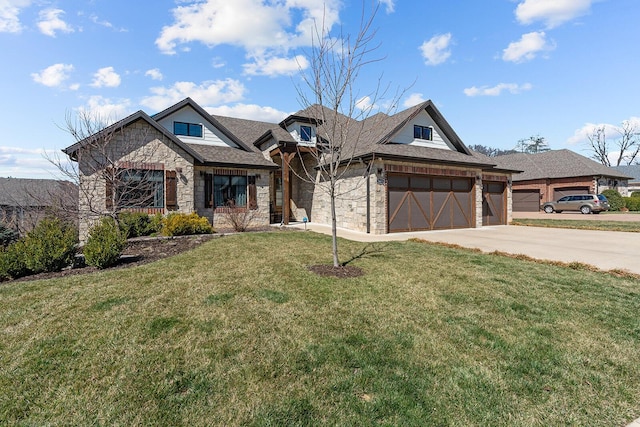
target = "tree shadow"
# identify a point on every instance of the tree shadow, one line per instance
(374, 248)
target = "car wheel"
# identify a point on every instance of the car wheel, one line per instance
(548, 209)
(585, 209)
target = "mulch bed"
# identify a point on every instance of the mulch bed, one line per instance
(343, 272)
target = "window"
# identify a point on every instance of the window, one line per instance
(305, 133)
(187, 129)
(229, 190)
(139, 188)
(422, 132)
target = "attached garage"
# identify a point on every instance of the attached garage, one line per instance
(420, 202)
(494, 203)
(565, 191)
(526, 200)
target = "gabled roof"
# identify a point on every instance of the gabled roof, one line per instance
(208, 117)
(630, 170)
(555, 164)
(140, 115)
(28, 192)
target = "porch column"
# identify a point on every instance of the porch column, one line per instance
(286, 194)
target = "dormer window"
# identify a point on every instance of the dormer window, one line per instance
(423, 132)
(305, 133)
(187, 129)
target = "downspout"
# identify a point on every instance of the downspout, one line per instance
(369, 198)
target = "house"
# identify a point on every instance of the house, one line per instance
(634, 172)
(549, 175)
(24, 202)
(408, 171)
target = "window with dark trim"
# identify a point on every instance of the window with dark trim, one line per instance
(187, 129)
(139, 188)
(229, 190)
(423, 132)
(305, 133)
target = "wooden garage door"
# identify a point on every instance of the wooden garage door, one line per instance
(494, 210)
(526, 200)
(565, 191)
(417, 202)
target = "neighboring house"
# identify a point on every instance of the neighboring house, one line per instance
(24, 202)
(552, 174)
(410, 171)
(634, 172)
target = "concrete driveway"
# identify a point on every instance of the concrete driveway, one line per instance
(606, 250)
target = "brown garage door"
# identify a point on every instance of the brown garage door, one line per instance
(417, 202)
(526, 200)
(494, 210)
(565, 191)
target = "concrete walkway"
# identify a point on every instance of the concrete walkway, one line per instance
(606, 250)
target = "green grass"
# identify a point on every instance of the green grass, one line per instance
(610, 225)
(239, 332)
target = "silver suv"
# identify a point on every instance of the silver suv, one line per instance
(585, 203)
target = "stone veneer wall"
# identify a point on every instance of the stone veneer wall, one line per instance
(137, 143)
(259, 217)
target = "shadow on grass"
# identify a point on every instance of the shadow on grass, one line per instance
(369, 249)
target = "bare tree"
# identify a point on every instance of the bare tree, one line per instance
(342, 114)
(624, 149)
(533, 144)
(111, 166)
(490, 151)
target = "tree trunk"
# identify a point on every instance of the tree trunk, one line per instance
(334, 230)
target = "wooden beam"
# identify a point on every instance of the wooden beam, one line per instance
(286, 199)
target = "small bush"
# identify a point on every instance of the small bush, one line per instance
(135, 224)
(635, 194)
(179, 224)
(105, 244)
(7, 235)
(632, 203)
(12, 261)
(615, 199)
(50, 246)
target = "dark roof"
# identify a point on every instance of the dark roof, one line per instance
(36, 192)
(554, 164)
(630, 170)
(374, 136)
(231, 157)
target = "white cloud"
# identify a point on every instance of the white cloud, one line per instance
(269, 25)
(50, 22)
(54, 75)
(436, 50)
(274, 66)
(9, 11)
(207, 93)
(105, 110)
(496, 90)
(250, 112)
(611, 131)
(364, 104)
(28, 163)
(390, 6)
(154, 73)
(527, 47)
(413, 99)
(106, 77)
(552, 12)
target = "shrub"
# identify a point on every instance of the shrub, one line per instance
(105, 244)
(135, 224)
(7, 235)
(635, 194)
(12, 261)
(632, 203)
(179, 224)
(50, 246)
(615, 199)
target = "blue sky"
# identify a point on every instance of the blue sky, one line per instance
(499, 70)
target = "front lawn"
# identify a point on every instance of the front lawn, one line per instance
(239, 332)
(606, 225)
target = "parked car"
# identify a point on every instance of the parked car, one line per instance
(585, 203)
